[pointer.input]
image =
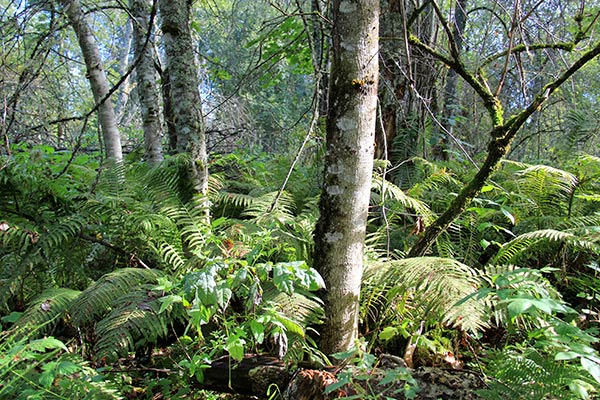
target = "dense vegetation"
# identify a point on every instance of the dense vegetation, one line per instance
(115, 284)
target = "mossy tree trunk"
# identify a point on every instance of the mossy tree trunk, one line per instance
(97, 78)
(148, 92)
(340, 231)
(183, 91)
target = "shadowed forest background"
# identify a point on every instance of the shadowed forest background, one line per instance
(170, 198)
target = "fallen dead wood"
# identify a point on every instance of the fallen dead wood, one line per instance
(254, 375)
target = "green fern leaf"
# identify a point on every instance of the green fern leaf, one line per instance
(97, 300)
(436, 286)
(46, 308)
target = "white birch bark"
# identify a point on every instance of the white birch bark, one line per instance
(340, 232)
(147, 81)
(97, 78)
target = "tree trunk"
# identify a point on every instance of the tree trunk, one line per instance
(122, 55)
(408, 86)
(340, 232)
(97, 78)
(183, 90)
(451, 102)
(146, 78)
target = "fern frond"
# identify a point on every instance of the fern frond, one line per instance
(386, 189)
(549, 187)
(133, 322)
(172, 256)
(302, 307)
(260, 208)
(530, 282)
(437, 285)
(523, 242)
(46, 308)
(97, 300)
(62, 232)
(531, 376)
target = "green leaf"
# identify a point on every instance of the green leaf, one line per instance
(283, 279)
(388, 333)
(46, 378)
(67, 368)
(508, 215)
(566, 355)
(289, 325)
(578, 388)
(168, 301)
(592, 367)
(235, 347)
(203, 285)
(12, 317)
(519, 306)
(223, 294)
(258, 331)
(48, 343)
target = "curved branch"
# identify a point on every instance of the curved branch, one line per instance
(502, 137)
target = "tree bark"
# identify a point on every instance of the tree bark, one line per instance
(148, 92)
(184, 95)
(97, 78)
(340, 231)
(451, 102)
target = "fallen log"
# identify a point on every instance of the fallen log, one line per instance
(256, 375)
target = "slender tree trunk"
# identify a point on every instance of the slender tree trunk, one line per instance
(451, 102)
(122, 55)
(147, 80)
(340, 232)
(97, 78)
(183, 88)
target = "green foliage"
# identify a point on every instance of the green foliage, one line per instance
(46, 310)
(234, 307)
(100, 297)
(44, 369)
(551, 353)
(133, 323)
(356, 381)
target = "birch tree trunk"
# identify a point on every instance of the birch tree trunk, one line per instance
(97, 78)
(183, 90)
(147, 80)
(340, 231)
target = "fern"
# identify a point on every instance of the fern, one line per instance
(134, 322)
(525, 243)
(384, 190)
(436, 286)
(549, 188)
(531, 375)
(97, 300)
(45, 310)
